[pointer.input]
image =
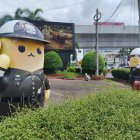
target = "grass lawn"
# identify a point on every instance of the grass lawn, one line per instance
(112, 114)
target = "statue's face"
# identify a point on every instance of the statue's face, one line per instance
(24, 54)
(134, 61)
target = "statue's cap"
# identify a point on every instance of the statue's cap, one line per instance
(21, 29)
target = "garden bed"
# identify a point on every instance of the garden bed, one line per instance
(62, 76)
(97, 77)
(66, 75)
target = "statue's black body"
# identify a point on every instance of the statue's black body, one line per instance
(134, 75)
(22, 87)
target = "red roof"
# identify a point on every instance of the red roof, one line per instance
(110, 23)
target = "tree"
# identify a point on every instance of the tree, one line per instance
(88, 63)
(18, 15)
(124, 53)
(22, 14)
(74, 52)
(33, 15)
(5, 18)
(76, 45)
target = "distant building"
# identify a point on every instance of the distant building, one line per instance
(112, 37)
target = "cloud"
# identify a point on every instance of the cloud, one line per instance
(89, 7)
(82, 12)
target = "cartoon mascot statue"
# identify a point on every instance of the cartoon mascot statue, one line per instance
(135, 68)
(21, 65)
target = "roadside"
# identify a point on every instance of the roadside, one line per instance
(124, 82)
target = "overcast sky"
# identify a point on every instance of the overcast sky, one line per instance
(80, 12)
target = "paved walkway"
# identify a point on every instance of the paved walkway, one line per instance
(63, 89)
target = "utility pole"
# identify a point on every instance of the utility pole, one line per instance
(97, 17)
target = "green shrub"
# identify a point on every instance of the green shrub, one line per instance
(114, 114)
(78, 70)
(121, 73)
(71, 68)
(89, 64)
(104, 72)
(52, 61)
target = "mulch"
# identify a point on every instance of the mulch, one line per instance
(58, 76)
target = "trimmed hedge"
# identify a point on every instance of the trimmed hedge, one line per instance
(89, 64)
(115, 114)
(52, 61)
(121, 73)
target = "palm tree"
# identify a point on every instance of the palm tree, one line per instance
(5, 18)
(19, 14)
(125, 51)
(22, 14)
(33, 15)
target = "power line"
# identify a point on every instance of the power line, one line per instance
(68, 5)
(121, 8)
(119, 5)
(117, 8)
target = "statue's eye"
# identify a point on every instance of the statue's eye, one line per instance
(21, 48)
(39, 51)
